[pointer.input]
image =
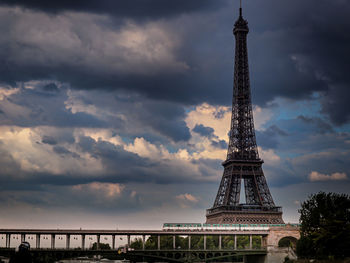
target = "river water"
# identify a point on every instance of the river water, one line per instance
(91, 260)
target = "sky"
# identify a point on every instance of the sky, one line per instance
(115, 114)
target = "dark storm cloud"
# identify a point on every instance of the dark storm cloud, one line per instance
(60, 150)
(313, 35)
(208, 132)
(169, 120)
(289, 53)
(269, 138)
(130, 115)
(219, 144)
(321, 125)
(48, 140)
(122, 166)
(60, 136)
(32, 107)
(336, 103)
(203, 130)
(51, 87)
(134, 8)
(301, 135)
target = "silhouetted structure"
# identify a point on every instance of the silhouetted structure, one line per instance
(243, 160)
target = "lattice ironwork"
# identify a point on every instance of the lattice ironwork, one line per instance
(243, 162)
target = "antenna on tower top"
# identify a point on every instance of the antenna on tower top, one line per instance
(240, 8)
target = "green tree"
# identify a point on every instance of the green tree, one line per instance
(212, 242)
(228, 242)
(151, 242)
(136, 243)
(256, 242)
(197, 242)
(288, 242)
(242, 242)
(102, 246)
(166, 242)
(325, 226)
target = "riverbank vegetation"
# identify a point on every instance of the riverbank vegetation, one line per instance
(325, 228)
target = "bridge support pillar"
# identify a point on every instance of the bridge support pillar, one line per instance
(67, 241)
(143, 242)
(205, 242)
(235, 244)
(98, 242)
(220, 238)
(264, 241)
(23, 237)
(174, 242)
(113, 242)
(189, 242)
(128, 237)
(8, 240)
(37, 241)
(53, 237)
(82, 242)
(250, 241)
(158, 243)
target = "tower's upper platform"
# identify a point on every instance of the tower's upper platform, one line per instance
(241, 25)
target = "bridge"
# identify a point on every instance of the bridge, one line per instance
(174, 253)
(68, 233)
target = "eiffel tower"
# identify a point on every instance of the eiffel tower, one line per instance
(243, 162)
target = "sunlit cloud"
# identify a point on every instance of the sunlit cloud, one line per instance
(316, 176)
(108, 190)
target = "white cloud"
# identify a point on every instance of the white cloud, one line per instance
(316, 176)
(108, 190)
(218, 118)
(261, 116)
(7, 92)
(187, 197)
(269, 156)
(186, 200)
(144, 148)
(23, 145)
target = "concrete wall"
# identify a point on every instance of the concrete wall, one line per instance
(274, 253)
(277, 233)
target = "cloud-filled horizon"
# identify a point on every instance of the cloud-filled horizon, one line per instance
(118, 113)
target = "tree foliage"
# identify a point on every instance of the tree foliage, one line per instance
(325, 226)
(288, 242)
(102, 246)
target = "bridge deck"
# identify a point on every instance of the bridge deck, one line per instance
(130, 232)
